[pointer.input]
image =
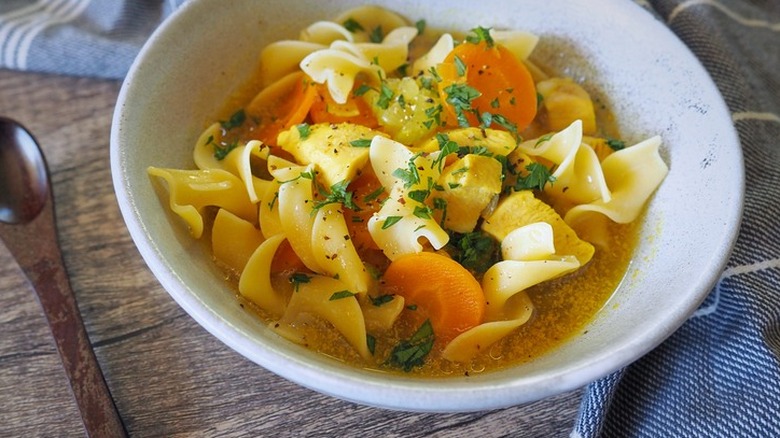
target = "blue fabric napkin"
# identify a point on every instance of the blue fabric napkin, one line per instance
(719, 375)
(98, 38)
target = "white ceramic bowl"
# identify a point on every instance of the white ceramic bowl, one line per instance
(631, 61)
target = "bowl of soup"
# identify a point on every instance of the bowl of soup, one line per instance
(428, 206)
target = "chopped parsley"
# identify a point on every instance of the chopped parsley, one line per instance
(220, 152)
(373, 195)
(543, 139)
(411, 175)
(480, 34)
(460, 97)
(381, 299)
(377, 35)
(352, 25)
(616, 145)
(446, 147)
(420, 25)
(435, 74)
(538, 176)
(463, 169)
(370, 343)
(419, 195)
(476, 251)
(362, 89)
(390, 221)
(411, 352)
(460, 66)
(341, 294)
(441, 204)
(486, 120)
(434, 116)
(236, 120)
(503, 122)
(338, 194)
(303, 130)
(385, 96)
(423, 212)
(361, 143)
(297, 279)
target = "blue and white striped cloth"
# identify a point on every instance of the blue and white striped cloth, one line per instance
(719, 375)
(98, 38)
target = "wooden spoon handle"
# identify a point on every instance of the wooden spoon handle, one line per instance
(35, 247)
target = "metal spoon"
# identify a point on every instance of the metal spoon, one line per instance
(29, 232)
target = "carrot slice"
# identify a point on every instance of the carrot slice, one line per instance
(448, 293)
(505, 85)
(355, 110)
(286, 261)
(290, 111)
(368, 194)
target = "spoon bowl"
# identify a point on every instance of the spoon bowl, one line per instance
(23, 175)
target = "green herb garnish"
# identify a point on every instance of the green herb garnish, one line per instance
(377, 35)
(476, 251)
(460, 97)
(385, 96)
(236, 120)
(352, 25)
(297, 279)
(412, 352)
(220, 152)
(390, 221)
(373, 195)
(538, 176)
(381, 299)
(341, 294)
(460, 66)
(420, 25)
(616, 145)
(411, 175)
(422, 211)
(361, 143)
(338, 194)
(480, 34)
(303, 130)
(362, 89)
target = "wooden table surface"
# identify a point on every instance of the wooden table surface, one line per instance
(168, 376)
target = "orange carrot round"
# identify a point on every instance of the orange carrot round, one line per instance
(291, 111)
(355, 110)
(505, 84)
(439, 286)
(286, 261)
(368, 194)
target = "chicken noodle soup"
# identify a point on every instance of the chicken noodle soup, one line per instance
(413, 201)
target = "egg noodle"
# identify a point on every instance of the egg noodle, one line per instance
(391, 195)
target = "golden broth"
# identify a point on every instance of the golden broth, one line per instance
(562, 307)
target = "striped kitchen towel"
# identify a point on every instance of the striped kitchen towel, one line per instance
(719, 375)
(98, 38)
